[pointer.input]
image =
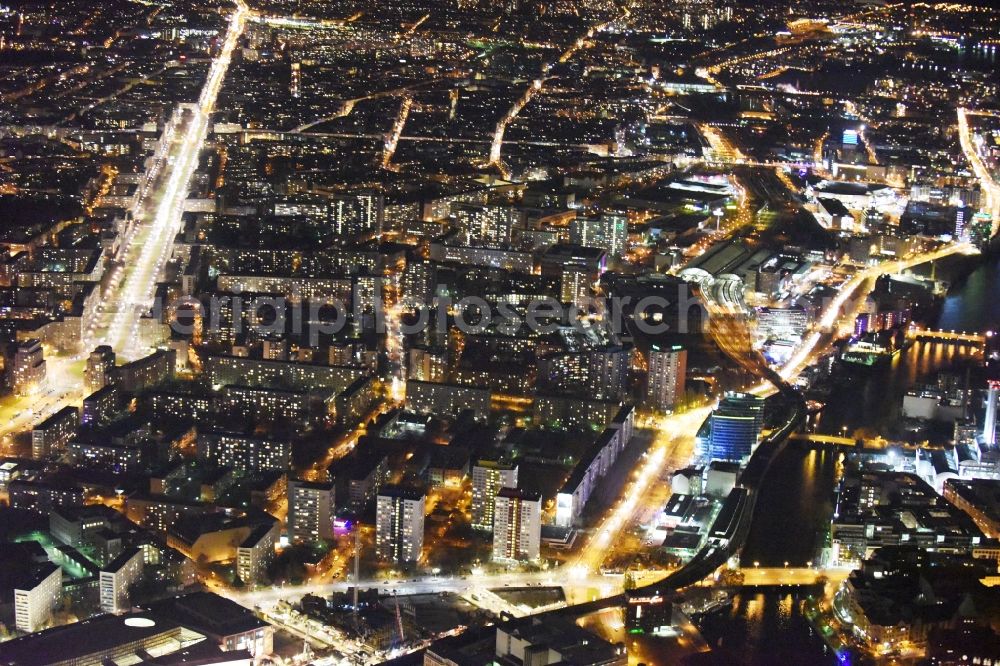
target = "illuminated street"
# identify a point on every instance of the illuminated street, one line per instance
(971, 150)
(149, 248)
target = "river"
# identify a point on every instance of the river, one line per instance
(791, 520)
(793, 513)
(972, 303)
(796, 502)
(793, 509)
(762, 630)
(871, 398)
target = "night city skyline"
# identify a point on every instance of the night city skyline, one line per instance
(499, 332)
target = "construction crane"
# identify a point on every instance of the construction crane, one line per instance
(399, 621)
(357, 574)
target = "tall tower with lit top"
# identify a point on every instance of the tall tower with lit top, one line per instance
(990, 422)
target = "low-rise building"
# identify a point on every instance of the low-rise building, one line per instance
(980, 499)
(76, 525)
(528, 641)
(110, 638)
(878, 508)
(226, 624)
(42, 497)
(901, 594)
(543, 642)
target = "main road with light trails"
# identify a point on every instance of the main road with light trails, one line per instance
(846, 303)
(148, 249)
(267, 597)
(986, 179)
(671, 449)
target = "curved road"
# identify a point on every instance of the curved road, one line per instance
(711, 557)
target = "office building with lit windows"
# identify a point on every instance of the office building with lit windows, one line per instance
(488, 478)
(733, 428)
(517, 525)
(667, 367)
(399, 524)
(310, 511)
(244, 453)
